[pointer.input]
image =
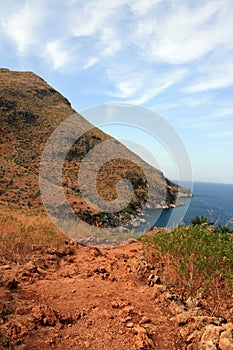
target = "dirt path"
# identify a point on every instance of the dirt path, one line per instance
(90, 299)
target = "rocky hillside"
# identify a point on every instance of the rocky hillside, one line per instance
(30, 110)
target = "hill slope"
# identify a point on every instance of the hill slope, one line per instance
(30, 110)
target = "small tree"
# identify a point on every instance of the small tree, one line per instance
(223, 229)
(201, 220)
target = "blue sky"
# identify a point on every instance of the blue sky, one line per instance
(174, 57)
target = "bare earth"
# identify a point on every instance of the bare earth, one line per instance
(85, 298)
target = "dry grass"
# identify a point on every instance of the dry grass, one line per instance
(23, 231)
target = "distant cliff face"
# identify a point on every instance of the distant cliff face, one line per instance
(30, 110)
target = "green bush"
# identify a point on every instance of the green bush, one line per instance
(201, 220)
(200, 253)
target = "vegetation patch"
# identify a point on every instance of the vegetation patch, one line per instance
(23, 231)
(197, 259)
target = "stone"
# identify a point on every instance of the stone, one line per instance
(145, 320)
(190, 347)
(157, 290)
(211, 332)
(229, 326)
(128, 318)
(86, 344)
(108, 337)
(153, 279)
(128, 310)
(10, 283)
(143, 342)
(176, 308)
(30, 266)
(226, 338)
(210, 337)
(226, 334)
(44, 315)
(191, 302)
(226, 344)
(183, 318)
(193, 336)
(5, 267)
(167, 296)
(129, 325)
(139, 329)
(207, 346)
(115, 305)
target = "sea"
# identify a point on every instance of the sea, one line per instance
(212, 200)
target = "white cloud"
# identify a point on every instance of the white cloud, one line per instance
(97, 23)
(158, 87)
(141, 8)
(91, 61)
(110, 43)
(57, 54)
(213, 76)
(181, 32)
(177, 36)
(125, 80)
(90, 17)
(21, 26)
(141, 49)
(89, 29)
(137, 86)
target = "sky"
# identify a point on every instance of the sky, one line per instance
(174, 57)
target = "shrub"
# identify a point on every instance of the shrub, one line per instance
(197, 258)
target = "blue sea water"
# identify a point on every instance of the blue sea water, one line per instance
(212, 200)
(215, 201)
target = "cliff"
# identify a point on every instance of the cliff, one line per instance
(30, 110)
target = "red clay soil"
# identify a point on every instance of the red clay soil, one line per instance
(84, 298)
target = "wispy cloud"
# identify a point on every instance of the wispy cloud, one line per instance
(57, 54)
(90, 62)
(89, 18)
(140, 8)
(179, 33)
(160, 43)
(214, 75)
(221, 134)
(224, 113)
(139, 87)
(174, 56)
(21, 26)
(195, 101)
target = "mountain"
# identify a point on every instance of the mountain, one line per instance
(30, 111)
